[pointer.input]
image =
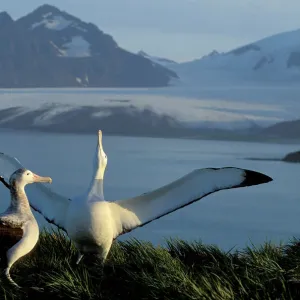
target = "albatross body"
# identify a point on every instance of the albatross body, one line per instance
(93, 223)
(19, 216)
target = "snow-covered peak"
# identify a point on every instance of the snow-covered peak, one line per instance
(273, 43)
(71, 52)
(50, 17)
(54, 22)
(158, 60)
(67, 35)
(275, 58)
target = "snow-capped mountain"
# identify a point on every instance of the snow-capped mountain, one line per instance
(275, 58)
(158, 60)
(49, 47)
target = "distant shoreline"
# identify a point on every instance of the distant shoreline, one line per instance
(231, 137)
(264, 159)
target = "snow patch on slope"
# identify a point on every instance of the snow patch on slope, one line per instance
(47, 15)
(77, 47)
(102, 114)
(281, 40)
(54, 111)
(79, 27)
(157, 60)
(53, 23)
(19, 112)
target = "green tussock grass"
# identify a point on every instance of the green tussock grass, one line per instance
(138, 270)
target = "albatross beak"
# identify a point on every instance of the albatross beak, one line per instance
(100, 139)
(38, 178)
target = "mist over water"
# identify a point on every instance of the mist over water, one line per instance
(233, 107)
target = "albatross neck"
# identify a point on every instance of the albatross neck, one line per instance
(96, 185)
(19, 200)
(96, 189)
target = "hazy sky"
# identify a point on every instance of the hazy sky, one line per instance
(177, 29)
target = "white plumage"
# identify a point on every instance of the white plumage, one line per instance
(19, 216)
(93, 223)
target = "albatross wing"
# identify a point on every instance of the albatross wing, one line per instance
(141, 210)
(48, 203)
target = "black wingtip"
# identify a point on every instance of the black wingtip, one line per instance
(255, 178)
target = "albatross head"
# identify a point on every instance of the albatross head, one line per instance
(101, 158)
(23, 177)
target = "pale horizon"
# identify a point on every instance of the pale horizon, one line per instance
(181, 30)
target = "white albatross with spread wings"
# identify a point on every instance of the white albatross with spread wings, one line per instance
(93, 223)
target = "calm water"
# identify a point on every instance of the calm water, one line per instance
(136, 165)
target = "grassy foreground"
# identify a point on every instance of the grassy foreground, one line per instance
(136, 270)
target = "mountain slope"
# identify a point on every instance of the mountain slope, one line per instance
(48, 48)
(158, 60)
(287, 129)
(275, 58)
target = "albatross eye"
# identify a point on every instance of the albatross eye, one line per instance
(28, 173)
